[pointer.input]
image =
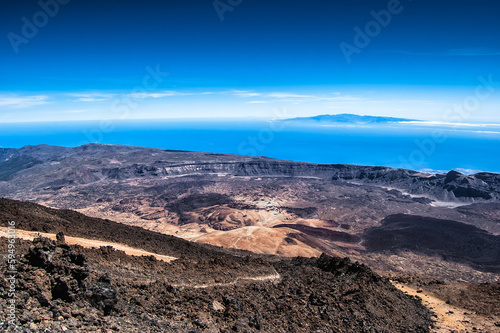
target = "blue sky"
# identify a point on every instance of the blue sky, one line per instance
(90, 59)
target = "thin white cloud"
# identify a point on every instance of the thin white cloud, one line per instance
(468, 171)
(473, 52)
(257, 102)
(245, 93)
(345, 98)
(159, 94)
(432, 171)
(77, 111)
(412, 101)
(99, 97)
(487, 132)
(314, 98)
(15, 101)
(463, 52)
(444, 123)
(68, 111)
(288, 95)
(92, 97)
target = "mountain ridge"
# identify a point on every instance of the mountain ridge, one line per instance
(349, 118)
(480, 186)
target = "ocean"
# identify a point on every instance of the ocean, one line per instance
(427, 147)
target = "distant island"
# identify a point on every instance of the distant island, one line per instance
(349, 118)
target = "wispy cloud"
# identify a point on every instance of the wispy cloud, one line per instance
(462, 52)
(288, 95)
(473, 52)
(262, 97)
(159, 94)
(345, 98)
(68, 111)
(292, 97)
(100, 97)
(453, 124)
(316, 98)
(16, 101)
(91, 97)
(244, 93)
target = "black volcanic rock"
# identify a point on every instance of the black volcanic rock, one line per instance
(452, 176)
(194, 202)
(103, 295)
(33, 217)
(322, 233)
(453, 241)
(139, 293)
(15, 164)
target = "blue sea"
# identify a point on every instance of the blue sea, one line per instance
(428, 147)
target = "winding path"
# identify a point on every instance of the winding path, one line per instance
(450, 318)
(264, 278)
(88, 243)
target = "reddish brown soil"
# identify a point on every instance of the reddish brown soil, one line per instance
(64, 287)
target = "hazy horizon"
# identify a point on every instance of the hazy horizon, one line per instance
(408, 145)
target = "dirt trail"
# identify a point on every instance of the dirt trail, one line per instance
(88, 243)
(248, 233)
(450, 318)
(264, 278)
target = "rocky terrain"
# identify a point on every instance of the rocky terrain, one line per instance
(62, 167)
(64, 287)
(274, 207)
(236, 232)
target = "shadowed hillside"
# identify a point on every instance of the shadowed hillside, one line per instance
(207, 289)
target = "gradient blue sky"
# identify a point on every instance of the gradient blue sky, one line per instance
(265, 59)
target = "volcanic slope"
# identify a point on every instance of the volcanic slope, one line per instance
(208, 289)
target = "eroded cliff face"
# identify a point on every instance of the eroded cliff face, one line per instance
(452, 186)
(92, 163)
